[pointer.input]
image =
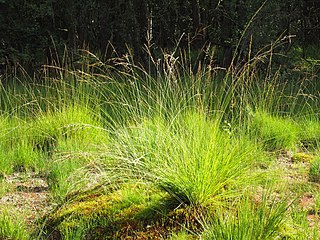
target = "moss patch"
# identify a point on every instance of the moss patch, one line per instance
(128, 213)
(302, 157)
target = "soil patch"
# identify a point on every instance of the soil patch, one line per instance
(27, 195)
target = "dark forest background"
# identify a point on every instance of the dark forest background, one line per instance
(34, 32)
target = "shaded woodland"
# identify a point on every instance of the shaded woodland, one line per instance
(34, 32)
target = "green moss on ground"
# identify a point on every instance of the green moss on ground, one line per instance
(302, 157)
(128, 213)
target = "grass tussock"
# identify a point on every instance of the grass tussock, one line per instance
(167, 152)
(206, 166)
(264, 219)
(12, 226)
(275, 132)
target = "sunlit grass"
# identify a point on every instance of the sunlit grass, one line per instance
(192, 159)
(310, 133)
(275, 132)
(261, 219)
(18, 154)
(191, 138)
(314, 171)
(12, 226)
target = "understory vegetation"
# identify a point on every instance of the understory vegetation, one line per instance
(169, 152)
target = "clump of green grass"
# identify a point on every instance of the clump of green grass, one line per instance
(314, 170)
(310, 133)
(73, 137)
(12, 226)
(301, 224)
(5, 137)
(4, 187)
(276, 133)
(248, 220)
(70, 173)
(16, 151)
(56, 143)
(63, 176)
(75, 126)
(191, 158)
(25, 158)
